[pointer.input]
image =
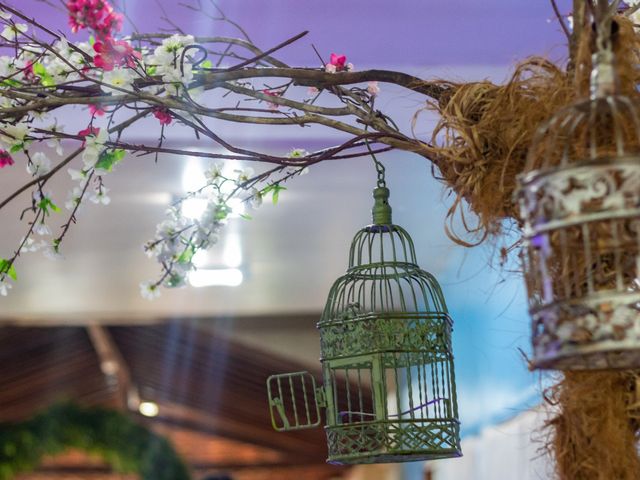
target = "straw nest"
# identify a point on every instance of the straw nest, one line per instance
(479, 147)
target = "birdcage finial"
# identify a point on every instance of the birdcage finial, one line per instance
(381, 209)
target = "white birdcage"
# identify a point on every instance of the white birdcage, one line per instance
(580, 205)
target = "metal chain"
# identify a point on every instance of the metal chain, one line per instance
(379, 166)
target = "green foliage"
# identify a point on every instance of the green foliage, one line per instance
(275, 190)
(122, 443)
(6, 267)
(45, 79)
(108, 160)
(46, 204)
(16, 147)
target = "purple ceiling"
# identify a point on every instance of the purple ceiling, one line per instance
(374, 33)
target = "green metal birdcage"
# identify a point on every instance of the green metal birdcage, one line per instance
(388, 385)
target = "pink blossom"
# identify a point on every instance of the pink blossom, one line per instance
(97, 15)
(111, 53)
(312, 91)
(163, 115)
(338, 61)
(96, 110)
(5, 159)
(272, 93)
(88, 131)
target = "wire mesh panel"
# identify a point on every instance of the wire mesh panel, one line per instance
(388, 377)
(388, 317)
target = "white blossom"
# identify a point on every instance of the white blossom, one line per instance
(213, 173)
(42, 229)
(77, 174)
(39, 165)
(12, 31)
(93, 147)
(73, 198)
(297, 153)
(373, 88)
(54, 142)
(243, 174)
(100, 196)
(149, 290)
(14, 133)
(256, 199)
(52, 253)
(4, 286)
(118, 77)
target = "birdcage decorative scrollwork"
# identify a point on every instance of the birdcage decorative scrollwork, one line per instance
(388, 377)
(580, 206)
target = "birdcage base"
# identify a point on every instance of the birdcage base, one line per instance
(393, 441)
(594, 334)
(605, 355)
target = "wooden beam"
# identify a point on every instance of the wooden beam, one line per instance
(114, 366)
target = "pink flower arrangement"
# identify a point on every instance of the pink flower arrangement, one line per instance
(163, 115)
(5, 159)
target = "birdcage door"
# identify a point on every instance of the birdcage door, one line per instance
(294, 401)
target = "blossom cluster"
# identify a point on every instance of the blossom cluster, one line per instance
(112, 67)
(179, 238)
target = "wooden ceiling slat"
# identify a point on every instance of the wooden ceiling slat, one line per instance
(205, 384)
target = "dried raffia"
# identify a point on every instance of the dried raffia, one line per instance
(480, 143)
(594, 431)
(479, 146)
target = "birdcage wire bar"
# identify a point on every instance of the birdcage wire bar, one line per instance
(388, 317)
(580, 204)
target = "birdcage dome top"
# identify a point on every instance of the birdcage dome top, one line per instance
(593, 131)
(381, 244)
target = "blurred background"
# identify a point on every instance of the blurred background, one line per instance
(199, 356)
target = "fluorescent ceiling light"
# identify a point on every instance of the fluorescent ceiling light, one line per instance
(228, 277)
(193, 176)
(194, 208)
(232, 253)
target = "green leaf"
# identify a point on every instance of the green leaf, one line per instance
(46, 204)
(7, 267)
(10, 82)
(187, 255)
(152, 70)
(276, 193)
(92, 40)
(39, 69)
(207, 64)
(246, 217)
(108, 160)
(17, 147)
